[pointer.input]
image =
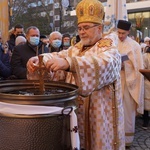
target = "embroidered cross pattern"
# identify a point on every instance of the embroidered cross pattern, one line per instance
(105, 43)
(75, 129)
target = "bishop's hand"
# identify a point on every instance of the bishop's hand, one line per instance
(32, 64)
(56, 64)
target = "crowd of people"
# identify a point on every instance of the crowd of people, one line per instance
(112, 91)
(22, 45)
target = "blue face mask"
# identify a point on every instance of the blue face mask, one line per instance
(66, 43)
(34, 40)
(56, 43)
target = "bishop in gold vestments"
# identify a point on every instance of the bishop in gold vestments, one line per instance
(94, 65)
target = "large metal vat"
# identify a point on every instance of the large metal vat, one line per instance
(36, 132)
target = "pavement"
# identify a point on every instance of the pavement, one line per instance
(142, 137)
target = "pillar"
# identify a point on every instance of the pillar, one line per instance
(4, 19)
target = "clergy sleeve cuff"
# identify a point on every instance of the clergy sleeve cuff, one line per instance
(71, 64)
(46, 57)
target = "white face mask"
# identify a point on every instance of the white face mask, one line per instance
(34, 40)
(66, 43)
(56, 43)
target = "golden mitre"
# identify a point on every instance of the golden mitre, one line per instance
(90, 11)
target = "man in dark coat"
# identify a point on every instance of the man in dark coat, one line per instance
(22, 53)
(18, 30)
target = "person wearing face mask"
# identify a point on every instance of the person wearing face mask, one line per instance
(18, 31)
(22, 53)
(55, 41)
(66, 41)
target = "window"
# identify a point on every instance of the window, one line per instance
(43, 14)
(32, 5)
(51, 13)
(142, 19)
(56, 5)
(39, 3)
(57, 28)
(51, 1)
(56, 17)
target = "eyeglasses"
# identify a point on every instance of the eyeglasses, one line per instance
(85, 28)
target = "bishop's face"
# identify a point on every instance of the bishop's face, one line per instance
(89, 33)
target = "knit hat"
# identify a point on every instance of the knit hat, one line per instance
(20, 39)
(43, 36)
(146, 39)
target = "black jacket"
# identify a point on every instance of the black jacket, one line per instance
(21, 55)
(5, 70)
(11, 42)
